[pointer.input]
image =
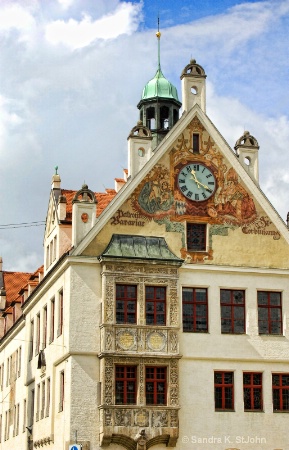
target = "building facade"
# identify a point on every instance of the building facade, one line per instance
(159, 318)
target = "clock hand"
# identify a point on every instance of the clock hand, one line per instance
(195, 178)
(198, 182)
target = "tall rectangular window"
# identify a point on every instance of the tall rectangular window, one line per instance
(37, 346)
(31, 340)
(280, 385)
(31, 407)
(196, 237)
(47, 397)
(269, 312)
(38, 402)
(60, 313)
(196, 143)
(19, 361)
(126, 301)
(125, 385)
(8, 372)
(52, 319)
(17, 419)
(156, 385)
(6, 432)
(24, 416)
(44, 326)
(42, 399)
(61, 391)
(252, 390)
(0, 427)
(232, 311)
(195, 309)
(155, 298)
(224, 391)
(2, 376)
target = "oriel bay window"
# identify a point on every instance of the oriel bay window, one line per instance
(280, 385)
(155, 297)
(252, 389)
(126, 301)
(156, 385)
(224, 391)
(125, 385)
(269, 312)
(195, 309)
(232, 311)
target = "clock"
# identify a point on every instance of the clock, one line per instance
(197, 182)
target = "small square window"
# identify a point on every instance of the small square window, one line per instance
(196, 237)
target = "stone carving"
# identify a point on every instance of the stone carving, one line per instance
(108, 301)
(108, 381)
(141, 383)
(108, 339)
(141, 440)
(174, 419)
(156, 340)
(126, 339)
(173, 341)
(141, 418)
(108, 417)
(159, 418)
(122, 417)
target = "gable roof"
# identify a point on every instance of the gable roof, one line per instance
(160, 151)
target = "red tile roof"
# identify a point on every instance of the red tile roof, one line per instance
(13, 282)
(103, 199)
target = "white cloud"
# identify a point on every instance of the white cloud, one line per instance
(17, 17)
(77, 34)
(65, 4)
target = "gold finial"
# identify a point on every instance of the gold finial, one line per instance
(158, 34)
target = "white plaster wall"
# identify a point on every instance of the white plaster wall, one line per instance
(203, 353)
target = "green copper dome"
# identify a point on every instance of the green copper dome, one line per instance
(159, 86)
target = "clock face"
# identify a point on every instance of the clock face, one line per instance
(196, 182)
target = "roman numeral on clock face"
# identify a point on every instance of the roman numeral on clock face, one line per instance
(184, 188)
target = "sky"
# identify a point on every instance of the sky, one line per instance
(72, 73)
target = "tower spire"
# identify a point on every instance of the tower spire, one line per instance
(158, 35)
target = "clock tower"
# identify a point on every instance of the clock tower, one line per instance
(159, 105)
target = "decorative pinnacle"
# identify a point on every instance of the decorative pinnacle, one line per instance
(158, 35)
(56, 169)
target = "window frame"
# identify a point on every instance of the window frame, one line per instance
(280, 388)
(155, 301)
(125, 380)
(202, 230)
(52, 320)
(60, 313)
(252, 387)
(233, 306)
(61, 391)
(193, 315)
(223, 386)
(125, 300)
(155, 380)
(270, 307)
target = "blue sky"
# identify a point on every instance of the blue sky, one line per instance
(72, 73)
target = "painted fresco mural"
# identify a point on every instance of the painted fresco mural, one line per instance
(159, 198)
